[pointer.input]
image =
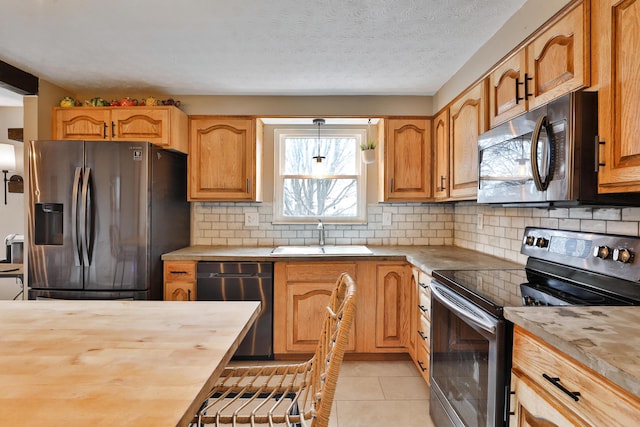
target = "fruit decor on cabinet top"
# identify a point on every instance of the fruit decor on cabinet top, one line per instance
(97, 101)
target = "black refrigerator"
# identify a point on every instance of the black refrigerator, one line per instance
(100, 215)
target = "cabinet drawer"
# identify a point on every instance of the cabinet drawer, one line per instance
(424, 302)
(600, 402)
(179, 270)
(424, 331)
(318, 272)
(422, 361)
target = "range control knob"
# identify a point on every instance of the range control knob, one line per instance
(529, 240)
(541, 242)
(623, 255)
(602, 252)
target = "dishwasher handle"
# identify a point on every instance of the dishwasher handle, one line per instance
(231, 275)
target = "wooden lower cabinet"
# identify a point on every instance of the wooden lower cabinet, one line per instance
(392, 300)
(422, 315)
(531, 407)
(301, 293)
(539, 374)
(179, 280)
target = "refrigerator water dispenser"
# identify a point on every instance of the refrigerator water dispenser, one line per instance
(48, 220)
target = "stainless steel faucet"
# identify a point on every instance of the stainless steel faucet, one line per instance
(321, 234)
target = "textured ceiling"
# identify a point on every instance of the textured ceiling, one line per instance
(252, 47)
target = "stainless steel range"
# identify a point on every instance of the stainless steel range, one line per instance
(470, 339)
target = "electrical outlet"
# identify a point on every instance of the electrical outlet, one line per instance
(386, 219)
(480, 222)
(251, 219)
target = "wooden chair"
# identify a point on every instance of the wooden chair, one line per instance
(299, 394)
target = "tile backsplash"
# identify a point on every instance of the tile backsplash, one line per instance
(502, 228)
(223, 223)
(493, 230)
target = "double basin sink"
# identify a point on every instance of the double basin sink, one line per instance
(321, 250)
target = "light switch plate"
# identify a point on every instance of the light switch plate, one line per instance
(251, 219)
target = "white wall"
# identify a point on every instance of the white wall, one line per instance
(11, 214)
(522, 24)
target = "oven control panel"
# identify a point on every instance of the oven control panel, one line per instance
(612, 255)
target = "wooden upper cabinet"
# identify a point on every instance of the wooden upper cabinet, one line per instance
(82, 123)
(468, 120)
(506, 89)
(554, 62)
(558, 60)
(165, 126)
(224, 158)
(441, 155)
(616, 38)
(407, 160)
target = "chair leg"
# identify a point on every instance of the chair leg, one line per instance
(295, 410)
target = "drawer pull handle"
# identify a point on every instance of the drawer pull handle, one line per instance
(423, 285)
(422, 335)
(179, 272)
(423, 309)
(556, 382)
(421, 366)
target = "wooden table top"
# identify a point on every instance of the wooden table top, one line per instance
(113, 363)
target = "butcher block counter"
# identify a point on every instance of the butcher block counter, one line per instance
(113, 363)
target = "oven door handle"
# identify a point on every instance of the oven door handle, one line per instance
(462, 307)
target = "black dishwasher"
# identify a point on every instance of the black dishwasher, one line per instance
(242, 281)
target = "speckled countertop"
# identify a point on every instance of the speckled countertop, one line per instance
(427, 258)
(604, 339)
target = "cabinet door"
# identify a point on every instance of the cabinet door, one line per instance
(441, 155)
(392, 296)
(559, 58)
(83, 123)
(301, 295)
(468, 121)
(531, 407)
(616, 35)
(179, 291)
(140, 124)
(222, 159)
(407, 163)
(507, 89)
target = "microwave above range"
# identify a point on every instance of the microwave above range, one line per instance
(545, 157)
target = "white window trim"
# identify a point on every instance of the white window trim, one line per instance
(361, 176)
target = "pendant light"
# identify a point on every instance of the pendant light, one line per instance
(319, 158)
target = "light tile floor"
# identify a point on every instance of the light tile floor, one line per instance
(380, 394)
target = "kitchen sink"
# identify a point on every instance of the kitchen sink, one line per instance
(321, 250)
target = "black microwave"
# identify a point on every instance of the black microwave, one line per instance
(545, 157)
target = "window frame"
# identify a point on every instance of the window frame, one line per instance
(280, 135)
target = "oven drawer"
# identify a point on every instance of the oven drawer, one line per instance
(600, 402)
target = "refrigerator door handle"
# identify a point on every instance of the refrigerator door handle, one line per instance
(74, 215)
(85, 215)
